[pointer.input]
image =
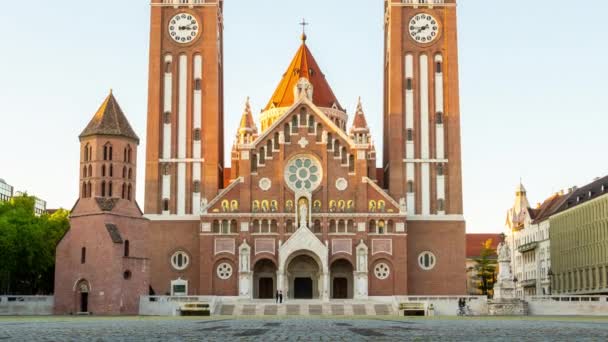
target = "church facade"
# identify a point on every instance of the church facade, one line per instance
(303, 207)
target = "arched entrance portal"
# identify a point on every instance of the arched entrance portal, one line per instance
(82, 293)
(341, 279)
(304, 277)
(264, 279)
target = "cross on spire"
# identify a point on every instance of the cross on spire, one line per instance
(304, 24)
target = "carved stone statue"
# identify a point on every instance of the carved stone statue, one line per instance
(504, 252)
(303, 215)
(203, 208)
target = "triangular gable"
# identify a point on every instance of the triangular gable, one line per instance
(319, 113)
(224, 193)
(382, 193)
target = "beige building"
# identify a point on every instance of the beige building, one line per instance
(579, 241)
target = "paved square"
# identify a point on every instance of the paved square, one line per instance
(299, 329)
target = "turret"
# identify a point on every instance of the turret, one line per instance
(359, 132)
(247, 129)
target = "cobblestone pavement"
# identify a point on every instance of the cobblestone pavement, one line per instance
(299, 329)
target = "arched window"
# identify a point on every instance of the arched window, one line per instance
(129, 154)
(319, 133)
(197, 134)
(165, 204)
(409, 84)
(90, 173)
(269, 149)
(330, 141)
(336, 148)
(410, 186)
(372, 227)
(254, 162)
(111, 170)
(294, 125)
(233, 228)
(440, 169)
(262, 156)
(197, 84)
(274, 227)
(167, 67)
(390, 227)
(265, 226)
(89, 189)
(109, 189)
(127, 248)
(410, 134)
(129, 189)
(216, 227)
(225, 227)
(83, 255)
(438, 67)
(103, 170)
(110, 153)
(317, 227)
(103, 189)
(381, 227)
(439, 118)
(124, 155)
(441, 204)
(124, 172)
(107, 152)
(197, 186)
(289, 226)
(302, 117)
(351, 163)
(332, 226)
(344, 156)
(350, 226)
(86, 156)
(311, 124)
(124, 191)
(84, 190)
(276, 141)
(341, 226)
(130, 173)
(287, 133)
(256, 226)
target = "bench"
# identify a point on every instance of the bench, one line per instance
(412, 309)
(195, 309)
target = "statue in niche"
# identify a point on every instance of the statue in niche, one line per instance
(350, 206)
(289, 206)
(332, 206)
(265, 206)
(225, 206)
(361, 261)
(303, 214)
(234, 206)
(316, 208)
(244, 260)
(203, 206)
(403, 205)
(274, 206)
(255, 207)
(381, 206)
(341, 206)
(372, 206)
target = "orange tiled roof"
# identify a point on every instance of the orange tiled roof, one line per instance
(359, 121)
(303, 65)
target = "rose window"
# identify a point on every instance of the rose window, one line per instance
(303, 173)
(382, 271)
(224, 271)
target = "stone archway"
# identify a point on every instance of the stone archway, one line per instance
(304, 277)
(264, 279)
(82, 296)
(341, 277)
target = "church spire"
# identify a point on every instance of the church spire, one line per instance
(360, 130)
(247, 128)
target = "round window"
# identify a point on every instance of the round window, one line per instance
(180, 260)
(382, 271)
(426, 260)
(303, 173)
(224, 271)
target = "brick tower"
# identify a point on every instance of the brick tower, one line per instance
(184, 159)
(422, 159)
(101, 264)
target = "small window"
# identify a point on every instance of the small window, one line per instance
(103, 170)
(83, 255)
(410, 134)
(103, 189)
(109, 189)
(129, 189)
(440, 169)
(197, 134)
(127, 275)
(439, 118)
(130, 173)
(111, 170)
(311, 124)
(127, 251)
(124, 172)
(294, 125)
(351, 163)
(286, 132)
(123, 194)
(166, 169)
(427, 260)
(410, 187)
(276, 141)
(167, 118)
(262, 156)
(254, 162)
(197, 84)
(438, 67)
(166, 204)
(409, 83)
(302, 116)
(197, 186)
(441, 204)
(168, 67)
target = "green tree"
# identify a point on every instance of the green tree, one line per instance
(27, 246)
(485, 268)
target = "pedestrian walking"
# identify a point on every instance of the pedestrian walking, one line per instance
(277, 297)
(281, 297)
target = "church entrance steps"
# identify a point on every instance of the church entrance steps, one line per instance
(305, 308)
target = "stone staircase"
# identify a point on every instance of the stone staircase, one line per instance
(305, 308)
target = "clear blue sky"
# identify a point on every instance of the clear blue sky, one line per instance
(533, 83)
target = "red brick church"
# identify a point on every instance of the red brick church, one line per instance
(301, 207)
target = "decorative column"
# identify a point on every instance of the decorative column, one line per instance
(245, 275)
(361, 273)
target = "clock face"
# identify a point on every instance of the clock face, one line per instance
(183, 28)
(424, 28)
